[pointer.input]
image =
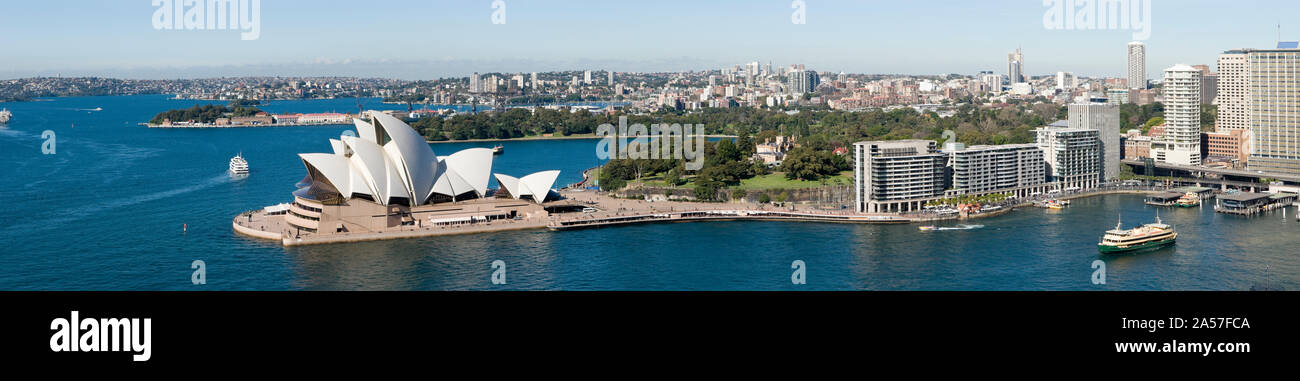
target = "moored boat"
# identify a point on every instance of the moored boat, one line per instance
(1188, 200)
(1149, 236)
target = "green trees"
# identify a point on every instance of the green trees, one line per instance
(1132, 116)
(805, 163)
(204, 113)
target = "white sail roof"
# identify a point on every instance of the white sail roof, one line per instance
(410, 154)
(388, 160)
(474, 166)
(535, 186)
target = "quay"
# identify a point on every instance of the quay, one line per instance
(587, 209)
(1249, 204)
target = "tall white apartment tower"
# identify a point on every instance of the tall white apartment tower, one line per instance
(535, 80)
(1137, 65)
(1181, 143)
(1234, 91)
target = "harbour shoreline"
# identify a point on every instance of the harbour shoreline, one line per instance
(618, 212)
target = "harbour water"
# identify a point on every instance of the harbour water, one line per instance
(123, 207)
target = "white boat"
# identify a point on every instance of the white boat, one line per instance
(5, 115)
(238, 166)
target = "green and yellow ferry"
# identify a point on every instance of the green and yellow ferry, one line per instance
(1149, 236)
(1189, 200)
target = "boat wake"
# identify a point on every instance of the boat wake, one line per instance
(74, 215)
(961, 227)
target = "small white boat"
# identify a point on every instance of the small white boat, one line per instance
(238, 166)
(5, 115)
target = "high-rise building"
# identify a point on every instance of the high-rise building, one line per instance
(1105, 119)
(611, 78)
(1064, 81)
(1073, 155)
(897, 176)
(1181, 143)
(1233, 91)
(802, 81)
(1209, 84)
(979, 170)
(535, 84)
(586, 77)
(475, 85)
(1137, 65)
(1016, 67)
(1275, 116)
(992, 81)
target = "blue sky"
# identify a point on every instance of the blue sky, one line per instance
(436, 38)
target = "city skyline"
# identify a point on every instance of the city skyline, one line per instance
(117, 39)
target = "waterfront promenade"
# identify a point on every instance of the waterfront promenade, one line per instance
(585, 209)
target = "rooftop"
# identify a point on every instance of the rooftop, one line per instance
(1245, 196)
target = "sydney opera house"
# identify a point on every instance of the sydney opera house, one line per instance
(387, 178)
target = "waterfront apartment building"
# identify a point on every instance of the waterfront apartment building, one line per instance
(1137, 65)
(897, 176)
(1104, 118)
(1233, 95)
(1181, 143)
(1073, 155)
(1016, 169)
(1275, 110)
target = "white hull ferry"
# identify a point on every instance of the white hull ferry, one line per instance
(5, 115)
(238, 166)
(1149, 236)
